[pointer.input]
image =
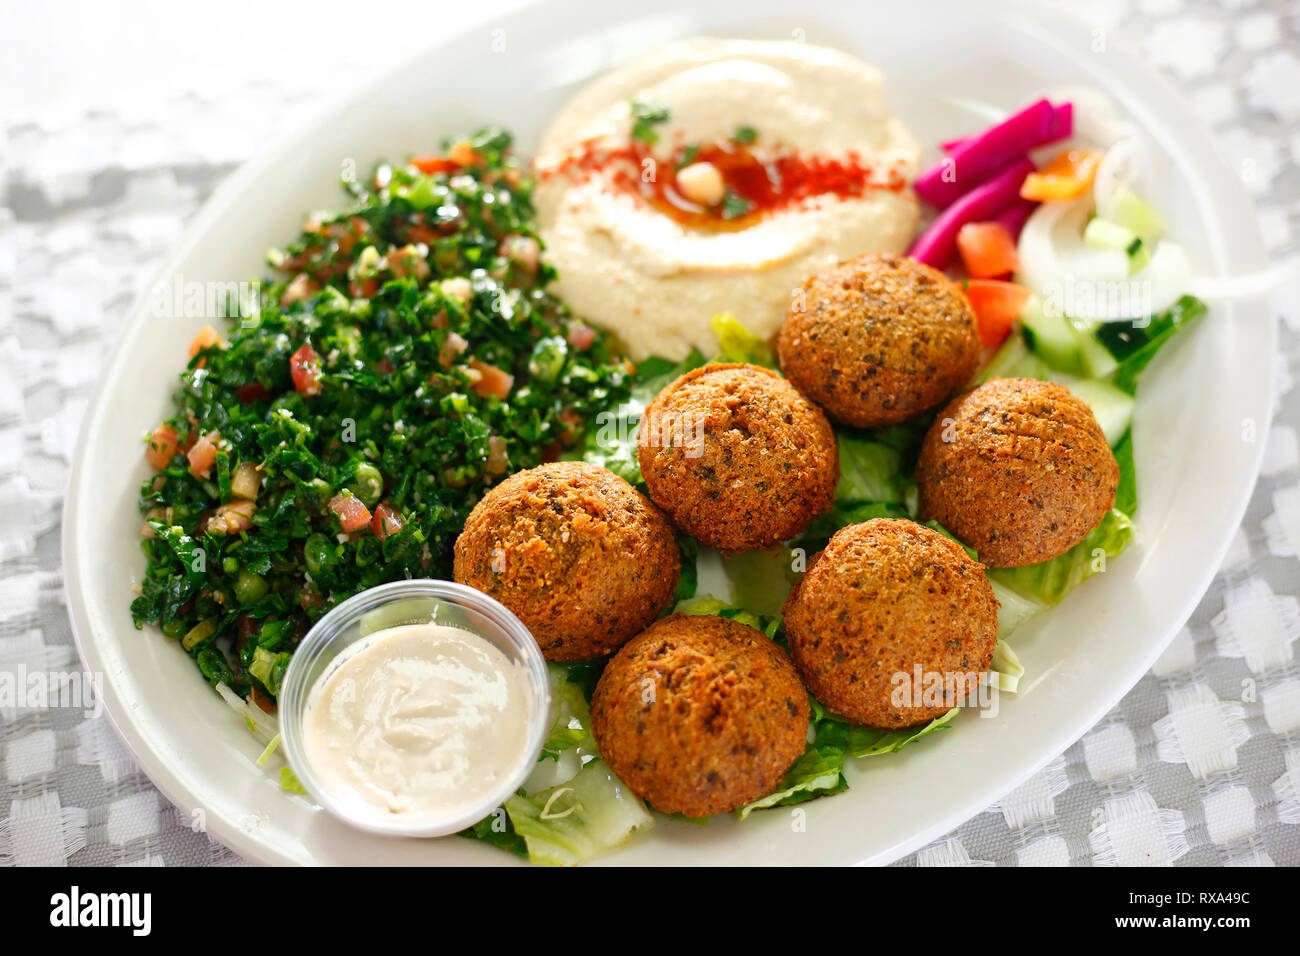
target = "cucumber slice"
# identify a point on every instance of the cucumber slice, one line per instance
(1104, 234)
(1052, 337)
(1137, 215)
(1097, 360)
(1113, 407)
(1013, 360)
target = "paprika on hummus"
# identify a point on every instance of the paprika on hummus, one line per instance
(715, 176)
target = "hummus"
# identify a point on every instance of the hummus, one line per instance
(798, 141)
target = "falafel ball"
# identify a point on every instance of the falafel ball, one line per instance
(700, 714)
(737, 456)
(885, 598)
(576, 552)
(878, 339)
(1018, 469)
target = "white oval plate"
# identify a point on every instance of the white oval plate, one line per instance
(946, 64)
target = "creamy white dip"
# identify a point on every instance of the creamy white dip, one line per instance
(655, 282)
(417, 723)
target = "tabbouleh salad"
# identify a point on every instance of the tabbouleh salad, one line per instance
(407, 356)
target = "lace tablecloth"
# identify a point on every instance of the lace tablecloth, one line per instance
(113, 132)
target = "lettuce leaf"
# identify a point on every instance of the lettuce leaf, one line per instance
(738, 344)
(871, 742)
(1049, 581)
(818, 773)
(571, 822)
(570, 716)
(496, 829)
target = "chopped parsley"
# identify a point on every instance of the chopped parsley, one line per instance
(744, 135)
(407, 357)
(645, 117)
(735, 205)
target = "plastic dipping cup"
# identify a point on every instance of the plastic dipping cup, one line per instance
(333, 639)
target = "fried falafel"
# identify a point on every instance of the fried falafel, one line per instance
(583, 558)
(885, 599)
(878, 339)
(700, 714)
(1018, 469)
(737, 456)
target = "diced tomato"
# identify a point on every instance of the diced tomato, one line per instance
(463, 154)
(451, 349)
(1068, 176)
(252, 392)
(581, 335)
(987, 249)
(422, 232)
(203, 454)
(304, 366)
(408, 261)
(387, 520)
(352, 514)
(206, 338)
(492, 381)
(232, 518)
(433, 164)
(162, 446)
(155, 514)
(363, 288)
(997, 305)
(572, 423)
(299, 289)
(523, 251)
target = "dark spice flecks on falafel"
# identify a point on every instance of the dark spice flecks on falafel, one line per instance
(583, 558)
(1018, 469)
(886, 601)
(737, 456)
(700, 714)
(879, 339)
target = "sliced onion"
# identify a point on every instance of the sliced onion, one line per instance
(1121, 167)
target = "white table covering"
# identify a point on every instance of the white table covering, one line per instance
(113, 131)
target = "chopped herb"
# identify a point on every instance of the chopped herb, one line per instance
(735, 205)
(688, 156)
(646, 116)
(744, 135)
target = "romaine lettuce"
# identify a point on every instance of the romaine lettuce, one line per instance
(566, 824)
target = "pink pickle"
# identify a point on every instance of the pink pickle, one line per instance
(937, 245)
(973, 159)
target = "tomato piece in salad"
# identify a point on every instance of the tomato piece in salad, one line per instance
(162, 446)
(997, 305)
(203, 454)
(987, 249)
(492, 382)
(430, 165)
(352, 514)
(387, 520)
(304, 367)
